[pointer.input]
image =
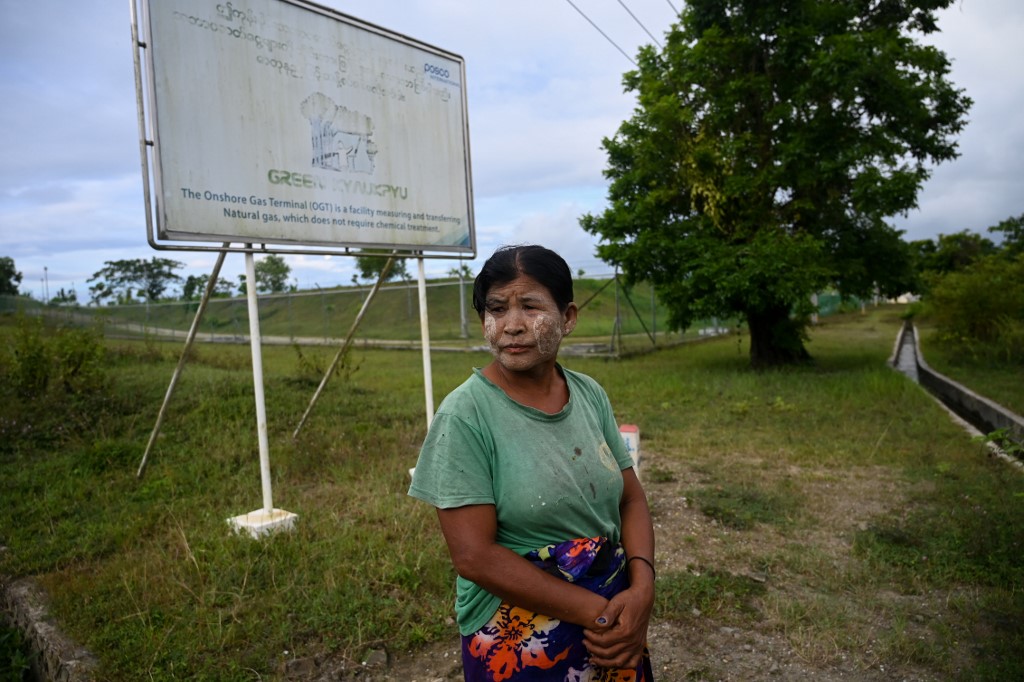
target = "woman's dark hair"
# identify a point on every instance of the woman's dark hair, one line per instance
(509, 262)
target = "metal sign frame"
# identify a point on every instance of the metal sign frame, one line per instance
(341, 155)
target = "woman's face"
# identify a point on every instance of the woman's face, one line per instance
(523, 325)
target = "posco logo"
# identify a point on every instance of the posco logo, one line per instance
(435, 70)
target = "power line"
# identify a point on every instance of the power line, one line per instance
(602, 32)
(639, 23)
(673, 7)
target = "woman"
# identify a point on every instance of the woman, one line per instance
(544, 518)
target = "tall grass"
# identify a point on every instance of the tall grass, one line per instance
(146, 574)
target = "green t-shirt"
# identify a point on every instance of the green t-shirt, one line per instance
(550, 477)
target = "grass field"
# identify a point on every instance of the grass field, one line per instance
(146, 574)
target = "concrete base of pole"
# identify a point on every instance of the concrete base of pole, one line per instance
(631, 437)
(262, 522)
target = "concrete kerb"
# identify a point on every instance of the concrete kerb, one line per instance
(54, 657)
(975, 413)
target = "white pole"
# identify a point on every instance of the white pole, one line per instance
(428, 381)
(255, 343)
(464, 328)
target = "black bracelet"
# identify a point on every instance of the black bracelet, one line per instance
(646, 561)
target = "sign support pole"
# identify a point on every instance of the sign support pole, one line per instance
(344, 346)
(267, 519)
(428, 379)
(211, 284)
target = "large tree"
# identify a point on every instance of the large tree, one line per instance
(770, 143)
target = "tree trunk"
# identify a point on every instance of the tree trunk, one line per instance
(775, 338)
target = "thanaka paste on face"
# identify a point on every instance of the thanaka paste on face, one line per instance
(491, 332)
(547, 333)
(543, 323)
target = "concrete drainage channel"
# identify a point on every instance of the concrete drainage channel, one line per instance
(55, 658)
(975, 412)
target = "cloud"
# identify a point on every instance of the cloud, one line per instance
(543, 88)
(984, 185)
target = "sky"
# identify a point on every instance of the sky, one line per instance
(543, 88)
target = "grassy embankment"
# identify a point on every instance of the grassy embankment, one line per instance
(394, 314)
(146, 575)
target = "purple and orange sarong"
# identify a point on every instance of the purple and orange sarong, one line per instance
(517, 645)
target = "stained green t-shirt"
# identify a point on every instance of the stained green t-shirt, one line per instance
(550, 477)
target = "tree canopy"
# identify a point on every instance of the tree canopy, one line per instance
(1012, 230)
(271, 275)
(370, 266)
(148, 278)
(949, 253)
(195, 285)
(770, 143)
(10, 278)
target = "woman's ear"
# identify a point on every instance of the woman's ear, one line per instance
(570, 318)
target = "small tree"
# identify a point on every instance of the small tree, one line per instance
(272, 274)
(1012, 230)
(150, 279)
(10, 278)
(65, 297)
(370, 266)
(195, 285)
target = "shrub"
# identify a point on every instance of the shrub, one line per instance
(51, 380)
(979, 311)
(63, 359)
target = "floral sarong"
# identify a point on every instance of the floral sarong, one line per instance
(517, 645)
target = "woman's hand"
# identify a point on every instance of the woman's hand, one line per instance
(620, 642)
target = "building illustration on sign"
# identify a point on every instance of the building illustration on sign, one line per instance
(341, 138)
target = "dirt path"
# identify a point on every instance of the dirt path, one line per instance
(766, 645)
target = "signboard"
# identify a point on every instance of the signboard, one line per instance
(281, 121)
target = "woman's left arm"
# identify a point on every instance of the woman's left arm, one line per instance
(620, 641)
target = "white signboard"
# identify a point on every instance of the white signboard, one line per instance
(279, 121)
